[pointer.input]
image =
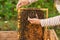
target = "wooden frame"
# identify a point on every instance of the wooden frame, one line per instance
(43, 9)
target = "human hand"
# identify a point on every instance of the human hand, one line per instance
(22, 3)
(34, 21)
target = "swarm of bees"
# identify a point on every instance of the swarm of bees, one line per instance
(31, 31)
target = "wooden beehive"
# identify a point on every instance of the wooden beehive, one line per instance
(52, 35)
(29, 31)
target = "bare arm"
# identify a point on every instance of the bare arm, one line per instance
(24, 2)
(31, 1)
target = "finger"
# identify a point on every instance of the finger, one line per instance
(31, 22)
(18, 6)
(29, 18)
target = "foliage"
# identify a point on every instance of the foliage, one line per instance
(45, 4)
(8, 8)
(9, 26)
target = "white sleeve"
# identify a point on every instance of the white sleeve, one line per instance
(50, 21)
(31, 1)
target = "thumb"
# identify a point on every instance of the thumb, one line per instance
(18, 6)
(29, 18)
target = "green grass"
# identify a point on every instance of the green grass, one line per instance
(58, 32)
(10, 25)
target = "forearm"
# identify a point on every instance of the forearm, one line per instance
(31, 1)
(24, 2)
(50, 21)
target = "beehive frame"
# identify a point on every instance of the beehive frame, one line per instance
(43, 9)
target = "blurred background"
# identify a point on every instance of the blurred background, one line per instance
(8, 13)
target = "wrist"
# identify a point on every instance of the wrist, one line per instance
(38, 21)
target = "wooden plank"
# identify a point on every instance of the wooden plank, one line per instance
(8, 35)
(19, 22)
(51, 35)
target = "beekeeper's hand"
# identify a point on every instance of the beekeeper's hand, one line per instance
(34, 21)
(22, 3)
